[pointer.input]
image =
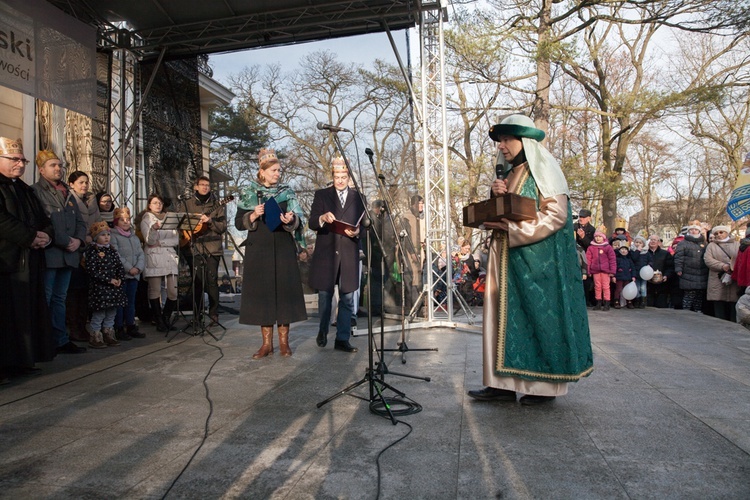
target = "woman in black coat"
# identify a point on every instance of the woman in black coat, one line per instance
(692, 270)
(272, 288)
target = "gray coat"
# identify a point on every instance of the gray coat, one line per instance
(688, 260)
(67, 223)
(89, 208)
(717, 254)
(131, 252)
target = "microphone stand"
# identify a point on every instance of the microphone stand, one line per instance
(403, 348)
(375, 379)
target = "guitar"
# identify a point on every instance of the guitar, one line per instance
(187, 236)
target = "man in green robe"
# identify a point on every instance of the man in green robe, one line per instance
(535, 327)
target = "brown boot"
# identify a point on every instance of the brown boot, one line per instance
(109, 336)
(96, 341)
(284, 348)
(267, 347)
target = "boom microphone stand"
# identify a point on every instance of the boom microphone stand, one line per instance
(400, 237)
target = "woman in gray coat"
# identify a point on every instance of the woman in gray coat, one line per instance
(692, 270)
(719, 258)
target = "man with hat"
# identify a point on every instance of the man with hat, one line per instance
(535, 328)
(64, 254)
(584, 230)
(25, 333)
(336, 257)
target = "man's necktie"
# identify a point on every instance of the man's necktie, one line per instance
(342, 197)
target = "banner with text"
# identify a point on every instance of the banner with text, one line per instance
(48, 54)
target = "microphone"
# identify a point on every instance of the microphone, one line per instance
(186, 195)
(331, 128)
(260, 197)
(369, 154)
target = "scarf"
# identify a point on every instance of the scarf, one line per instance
(282, 193)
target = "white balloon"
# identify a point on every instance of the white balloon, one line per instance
(647, 272)
(630, 291)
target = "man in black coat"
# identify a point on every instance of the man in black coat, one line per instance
(336, 257)
(25, 330)
(584, 236)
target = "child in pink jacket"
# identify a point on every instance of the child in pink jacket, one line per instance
(602, 266)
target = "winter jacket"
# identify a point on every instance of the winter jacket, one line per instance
(102, 265)
(160, 248)
(88, 207)
(66, 221)
(130, 251)
(716, 256)
(625, 267)
(641, 260)
(662, 260)
(601, 259)
(689, 265)
(741, 272)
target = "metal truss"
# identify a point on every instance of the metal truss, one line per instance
(124, 179)
(436, 175)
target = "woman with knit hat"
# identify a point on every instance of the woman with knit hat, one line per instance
(720, 256)
(272, 293)
(691, 269)
(535, 329)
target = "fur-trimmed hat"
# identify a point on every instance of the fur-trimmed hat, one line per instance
(716, 229)
(517, 126)
(98, 228)
(44, 156)
(338, 164)
(11, 146)
(693, 226)
(267, 157)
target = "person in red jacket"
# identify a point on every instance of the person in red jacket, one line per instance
(602, 266)
(741, 272)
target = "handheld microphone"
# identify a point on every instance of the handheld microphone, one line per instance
(331, 128)
(260, 197)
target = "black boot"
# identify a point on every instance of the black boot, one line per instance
(169, 308)
(157, 315)
(598, 306)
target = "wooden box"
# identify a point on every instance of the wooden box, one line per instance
(508, 206)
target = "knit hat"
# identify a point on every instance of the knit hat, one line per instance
(693, 226)
(599, 233)
(267, 157)
(338, 164)
(716, 229)
(642, 240)
(98, 228)
(118, 213)
(11, 146)
(44, 156)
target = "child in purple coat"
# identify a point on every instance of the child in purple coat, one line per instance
(602, 267)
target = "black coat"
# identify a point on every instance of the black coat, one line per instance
(271, 284)
(688, 260)
(25, 330)
(336, 255)
(103, 264)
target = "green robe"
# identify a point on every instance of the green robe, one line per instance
(543, 329)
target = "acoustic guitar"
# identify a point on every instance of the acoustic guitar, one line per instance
(186, 236)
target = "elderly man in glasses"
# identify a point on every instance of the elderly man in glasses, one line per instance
(25, 335)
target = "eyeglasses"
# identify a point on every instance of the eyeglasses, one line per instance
(16, 159)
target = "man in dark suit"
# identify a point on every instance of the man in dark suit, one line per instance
(336, 257)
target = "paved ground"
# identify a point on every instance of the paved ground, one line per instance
(666, 414)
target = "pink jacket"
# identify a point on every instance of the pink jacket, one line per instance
(601, 259)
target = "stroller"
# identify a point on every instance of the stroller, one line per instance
(477, 296)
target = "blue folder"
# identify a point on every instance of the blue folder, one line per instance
(273, 214)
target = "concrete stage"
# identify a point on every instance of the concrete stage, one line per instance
(666, 414)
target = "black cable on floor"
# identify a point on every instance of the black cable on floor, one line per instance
(208, 418)
(377, 460)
